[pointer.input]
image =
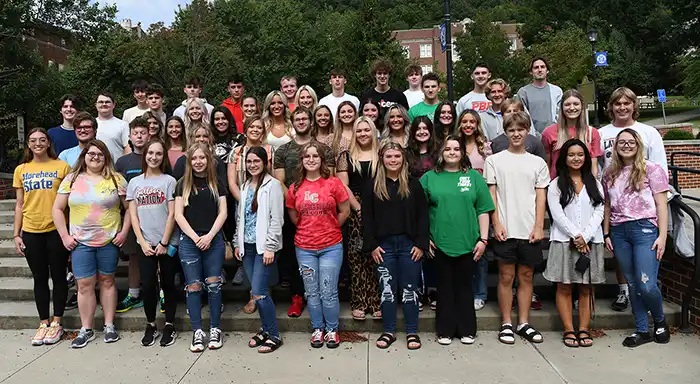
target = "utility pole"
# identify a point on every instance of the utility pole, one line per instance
(448, 51)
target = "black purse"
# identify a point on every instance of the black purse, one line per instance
(583, 262)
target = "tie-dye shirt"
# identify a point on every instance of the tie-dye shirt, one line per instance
(94, 207)
(626, 204)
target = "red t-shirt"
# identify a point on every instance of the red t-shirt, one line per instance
(236, 111)
(316, 205)
(549, 141)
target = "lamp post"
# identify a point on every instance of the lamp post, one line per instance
(448, 50)
(593, 38)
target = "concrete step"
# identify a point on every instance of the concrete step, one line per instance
(7, 205)
(7, 217)
(6, 231)
(23, 315)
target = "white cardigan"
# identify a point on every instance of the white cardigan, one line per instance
(579, 217)
(269, 219)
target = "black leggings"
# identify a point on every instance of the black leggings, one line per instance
(455, 315)
(47, 257)
(149, 283)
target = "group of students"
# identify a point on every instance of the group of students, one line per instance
(408, 199)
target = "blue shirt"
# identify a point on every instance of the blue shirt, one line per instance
(250, 218)
(70, 155)
(62, 138)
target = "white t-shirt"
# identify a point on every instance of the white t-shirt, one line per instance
(413, 97)
(516, 176)
(132, 113)
(475, 101)
(654, 150)
(180, 111)
(333, 102)
(115, 134)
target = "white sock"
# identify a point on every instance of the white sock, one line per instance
(135, 292)
(520, 326)
(624, 288)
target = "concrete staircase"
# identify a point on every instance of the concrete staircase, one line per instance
(18, 311)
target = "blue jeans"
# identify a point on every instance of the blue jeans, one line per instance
(320, 270)
(398, 270)
(87, 261)
(258, 275)
(199, 266)
(632, 242)
(481, 272)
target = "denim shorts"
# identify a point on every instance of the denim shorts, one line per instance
(87, 261)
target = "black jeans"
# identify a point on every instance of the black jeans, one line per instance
(149, 283)
(455, 315)
(47, 257)
(287, 263)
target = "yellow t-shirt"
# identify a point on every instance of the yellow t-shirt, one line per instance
(40, 183)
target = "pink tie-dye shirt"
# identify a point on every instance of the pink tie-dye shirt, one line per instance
(626, 204)
(94, 207)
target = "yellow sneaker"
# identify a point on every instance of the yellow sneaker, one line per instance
(38, 338)
(54, 333)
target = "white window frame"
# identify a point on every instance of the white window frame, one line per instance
(406, 51)
(427, 68)
(426, 51)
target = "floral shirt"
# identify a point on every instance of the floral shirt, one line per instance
(250, 218)
(94, 207)
(626, 204)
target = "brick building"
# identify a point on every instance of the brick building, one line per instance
(424, 44)
(54, 44)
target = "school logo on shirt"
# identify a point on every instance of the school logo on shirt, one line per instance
(312, 197)
(481, 106)
(465, 183)
(149, 196)
(34, 181)
(386, 104)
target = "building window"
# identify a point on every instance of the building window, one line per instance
(52, 63)
(406, 51)
(426, 50)
(455, 53)
(60, 67)
(63, 42)
(513, 44)
(426, 68)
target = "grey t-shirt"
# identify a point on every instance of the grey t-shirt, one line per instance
(532, 145)
(538, 101)
(151, 196)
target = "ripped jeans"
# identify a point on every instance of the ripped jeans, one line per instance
(632, 242)
(259, 275)
(319, 270)
(398, 270)
(202, 268)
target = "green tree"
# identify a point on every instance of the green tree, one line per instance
(568, 53)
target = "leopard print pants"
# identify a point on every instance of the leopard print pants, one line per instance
(364, 289)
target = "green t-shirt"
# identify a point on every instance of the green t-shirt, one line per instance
(422, 109)
(455, 200)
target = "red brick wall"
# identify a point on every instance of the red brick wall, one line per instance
(675, 274)
(685, 180)
(679, 127)
(6, 190)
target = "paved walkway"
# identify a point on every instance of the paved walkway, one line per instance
(676, 118)
(485, 362)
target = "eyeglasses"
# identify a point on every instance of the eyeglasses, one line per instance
(83, 128)
(96, 155)
(627, 143)
(40, 141)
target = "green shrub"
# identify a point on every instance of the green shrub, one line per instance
(677, 134)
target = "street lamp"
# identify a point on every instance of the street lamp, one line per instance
(448, 44)
(593, 38)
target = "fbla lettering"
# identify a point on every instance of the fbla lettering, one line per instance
(33, 185)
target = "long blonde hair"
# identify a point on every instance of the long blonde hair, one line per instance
(311, 91)
(267, 118)
(380, 189)
(639, 166)
(205, 113)
(386, 133)
(188, 178)
(338, 126)
(193, 134)
(479, 136)
(582, 131)
(355, 149)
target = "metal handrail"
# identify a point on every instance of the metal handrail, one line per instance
(674, 172)
(688, 295)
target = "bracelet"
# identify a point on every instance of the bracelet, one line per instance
(606, 236)
(164, 245)
(16, 236)
(486, 242)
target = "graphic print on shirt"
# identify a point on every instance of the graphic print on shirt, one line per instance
(385, 104)
(481, 106)
(465, 183)
(39, 180)
(312, 207)
(149, 196)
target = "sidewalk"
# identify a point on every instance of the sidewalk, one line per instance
(676, 118)
(486, 362)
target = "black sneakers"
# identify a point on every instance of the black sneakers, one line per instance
(72, 301)
(621, 303)
(637, 339)
(169, 336)
(661, 333)
(150, 335)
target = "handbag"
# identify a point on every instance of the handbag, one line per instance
(228, 256)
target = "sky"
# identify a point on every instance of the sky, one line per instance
(146, 11)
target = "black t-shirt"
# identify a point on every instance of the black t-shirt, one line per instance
(202, 209)
(385, 100)
(225, 144)
(359, 177)
(129, 166)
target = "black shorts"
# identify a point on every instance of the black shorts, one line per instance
(518, 251)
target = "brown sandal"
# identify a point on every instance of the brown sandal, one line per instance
(250, 307)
